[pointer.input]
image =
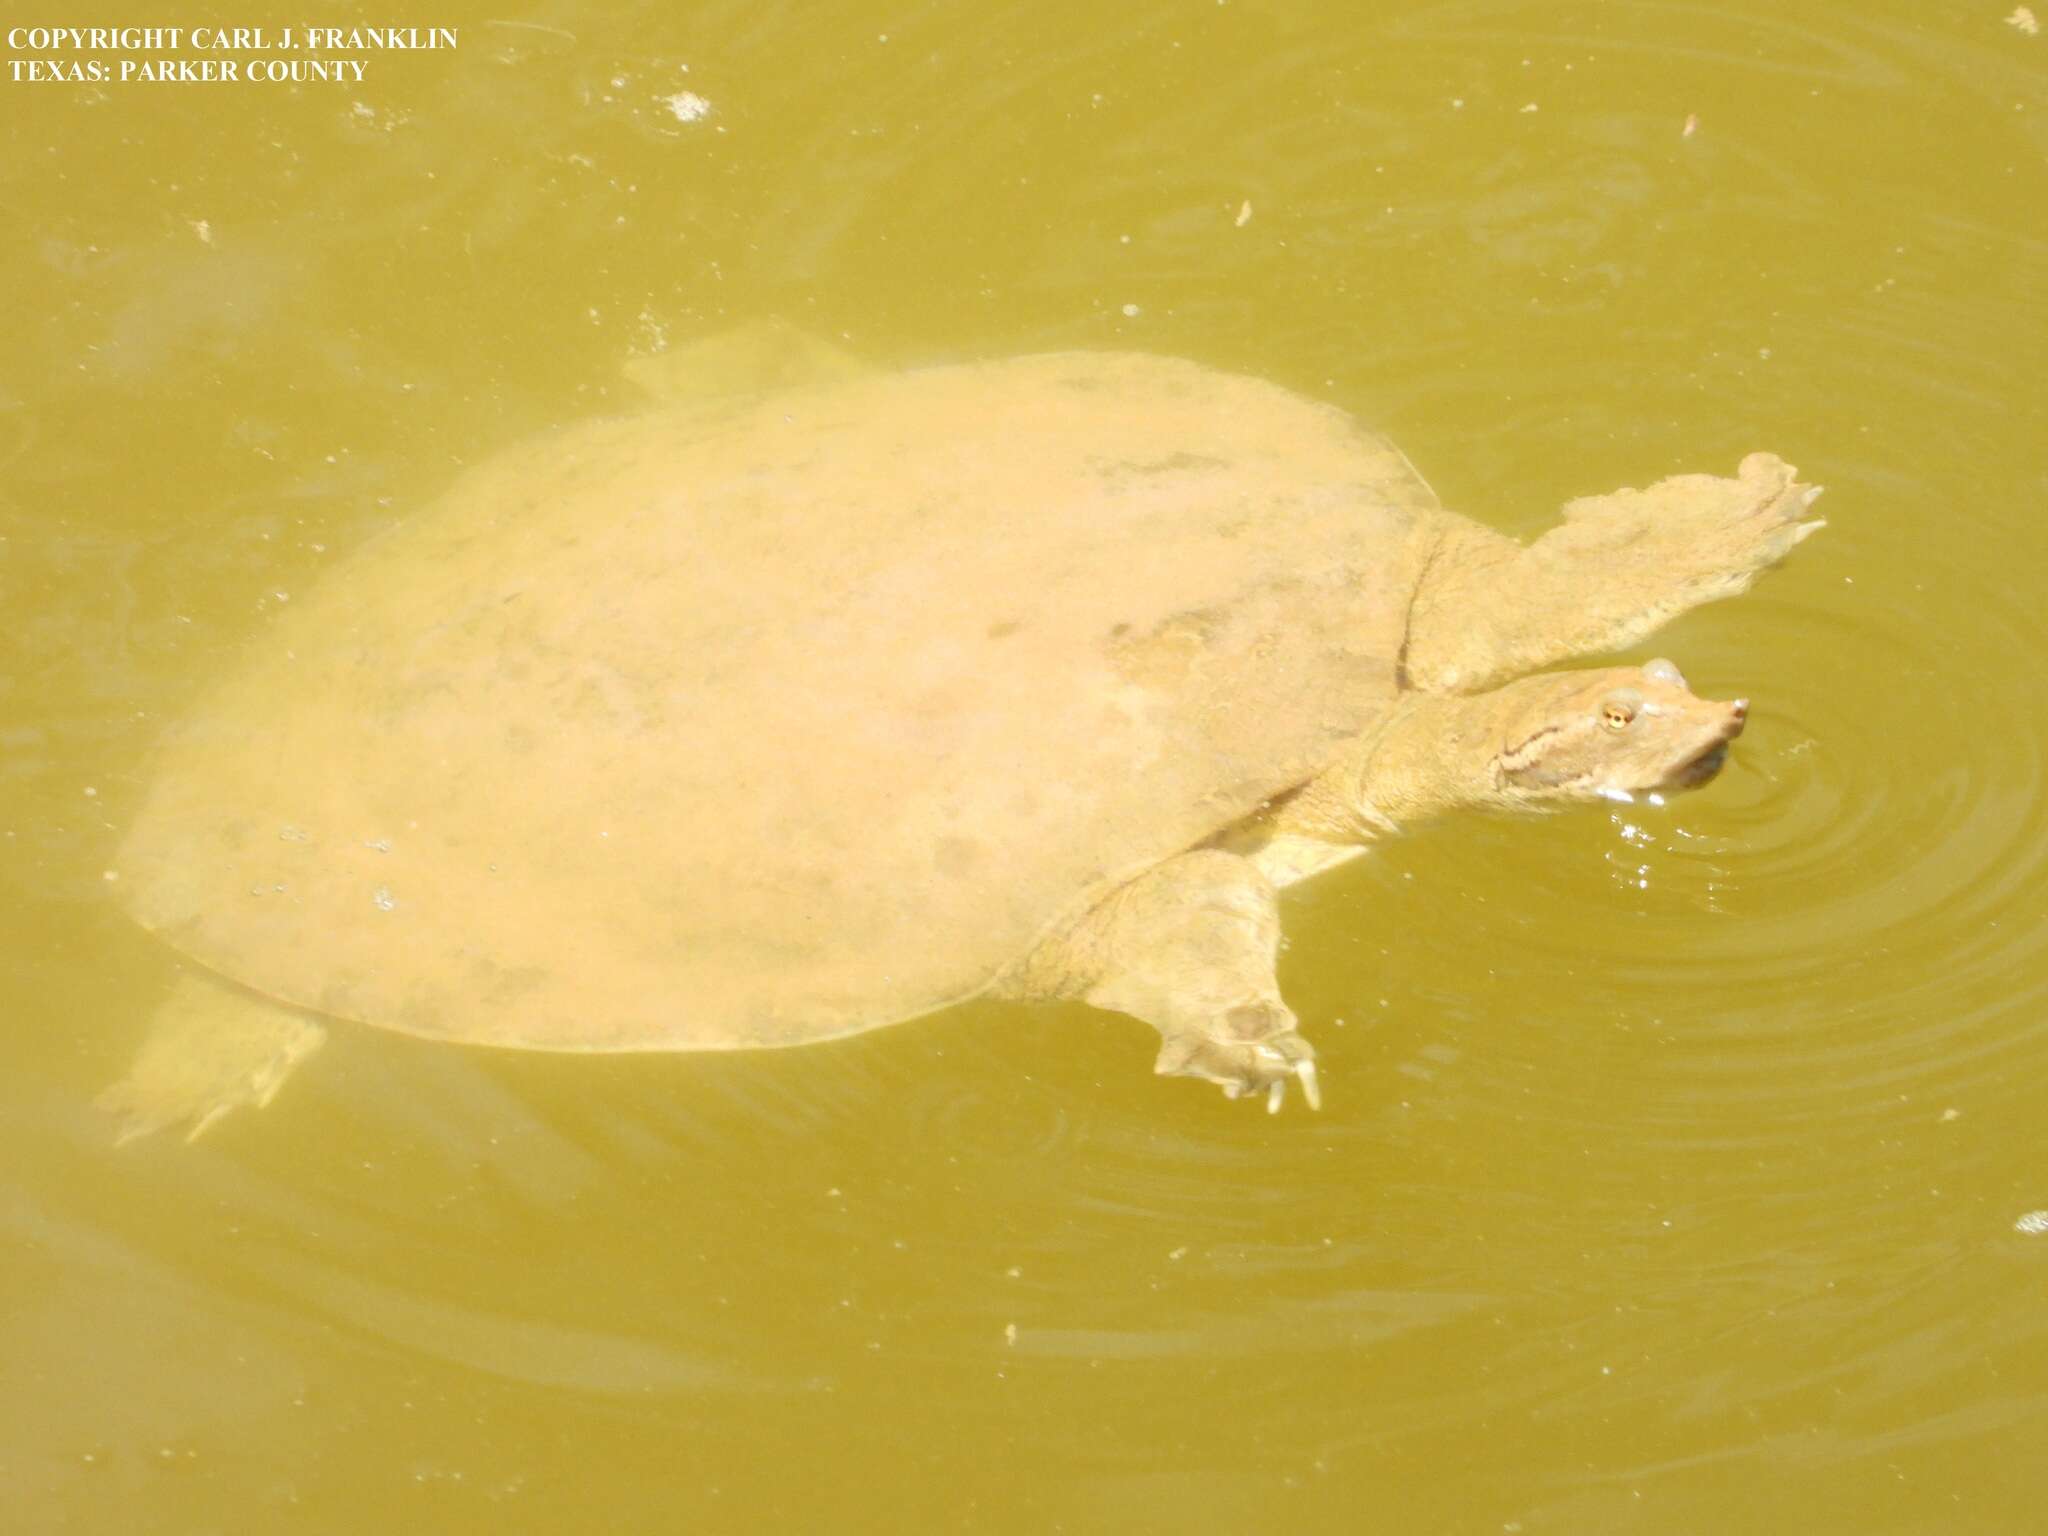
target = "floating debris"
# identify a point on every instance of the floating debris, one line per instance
(1244, 213)
(2022, 20)
(534, 26)
(687, 106)
(1692, 125)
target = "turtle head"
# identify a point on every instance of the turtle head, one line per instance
(1610, 734)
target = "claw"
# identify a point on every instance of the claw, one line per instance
(1260, 1069)
(1310, 1089)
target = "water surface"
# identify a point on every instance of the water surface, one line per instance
(1675, 1160)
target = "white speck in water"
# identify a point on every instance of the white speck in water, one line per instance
(1244, 213)
(1654, 798)
(2022, 20)
(290, 834)
(1010, 1333)
(1531, 107)
(91, 793)
(2034, 1223)
(110, 875)
(1132, 311)
(380, 844)
(687, 107)
(383, 898)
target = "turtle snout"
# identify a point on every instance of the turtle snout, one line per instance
(1713, 754)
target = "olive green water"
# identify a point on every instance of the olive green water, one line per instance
(1675, 1164)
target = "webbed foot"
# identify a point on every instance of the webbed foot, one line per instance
(1618, 568)
(1688, 539)
(1189, 947)
(1260, 1051)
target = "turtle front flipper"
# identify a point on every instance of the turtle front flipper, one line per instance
(1189, 947)
(211, 1047)
(1260, 1055)
(1618, 567)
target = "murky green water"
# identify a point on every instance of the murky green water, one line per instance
(1675, 1162)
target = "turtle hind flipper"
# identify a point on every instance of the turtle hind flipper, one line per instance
(211, 1048)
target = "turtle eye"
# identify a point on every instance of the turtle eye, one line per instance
(1616, 713)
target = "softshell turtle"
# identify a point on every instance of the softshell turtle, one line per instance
(767, 720)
